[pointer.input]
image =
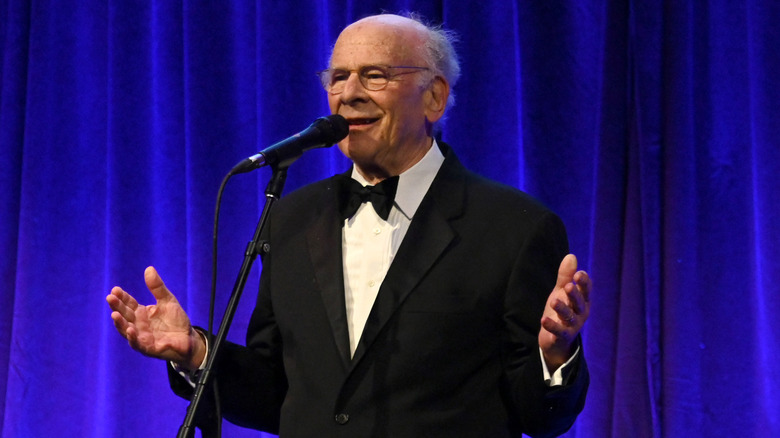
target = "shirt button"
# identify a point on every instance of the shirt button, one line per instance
(342, 418)
(377, 230)
(371, 283)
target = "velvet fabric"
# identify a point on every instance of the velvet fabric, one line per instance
(650, 127)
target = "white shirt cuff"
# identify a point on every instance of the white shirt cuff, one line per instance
(556, 379)
(192, 376)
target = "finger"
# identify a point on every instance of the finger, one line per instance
(113, 301)
(584, 284)
(556, 329)
(156, 285)
(566, 270)
(122, 303)
(576, 298)
(132, 338)
(566, 314)
(124, 297)
(120, 323)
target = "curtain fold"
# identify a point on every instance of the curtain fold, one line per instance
(650, 127)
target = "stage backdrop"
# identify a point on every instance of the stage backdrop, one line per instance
(651, 127)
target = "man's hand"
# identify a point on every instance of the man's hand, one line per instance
(565, 313)
(162, 330)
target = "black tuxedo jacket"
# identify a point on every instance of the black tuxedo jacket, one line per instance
(450, 348)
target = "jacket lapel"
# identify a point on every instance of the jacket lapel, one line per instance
(429, 235)
(325, 241)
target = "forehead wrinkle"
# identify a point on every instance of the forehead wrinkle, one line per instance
(396, 38)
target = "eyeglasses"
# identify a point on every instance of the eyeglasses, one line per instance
(373, 77)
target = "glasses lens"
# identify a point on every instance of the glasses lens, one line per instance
(324, 77)
(374, 78)
(331, 81)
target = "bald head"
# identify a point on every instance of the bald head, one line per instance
(401, 28)
(392, 36)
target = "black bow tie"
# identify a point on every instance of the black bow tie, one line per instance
(352, 194)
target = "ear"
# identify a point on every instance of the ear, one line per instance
(436, 99)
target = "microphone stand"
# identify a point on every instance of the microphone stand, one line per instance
(273, 192)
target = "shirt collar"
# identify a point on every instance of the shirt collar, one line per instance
(414, 183)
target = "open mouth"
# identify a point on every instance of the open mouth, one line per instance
(362, 121)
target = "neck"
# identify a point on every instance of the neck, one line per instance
(375, 172)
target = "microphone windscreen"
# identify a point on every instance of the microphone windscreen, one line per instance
(334, 127)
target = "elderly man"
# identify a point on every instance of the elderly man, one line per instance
(454, 311)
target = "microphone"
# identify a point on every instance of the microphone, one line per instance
(324, 132)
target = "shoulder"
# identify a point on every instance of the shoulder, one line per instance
(485, 197)
(306, 203)
(507, 217)
(503, 196)
(317, 190)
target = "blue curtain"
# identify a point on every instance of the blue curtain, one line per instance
(651, 127)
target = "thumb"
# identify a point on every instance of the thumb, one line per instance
(566, 270)
(156, 285)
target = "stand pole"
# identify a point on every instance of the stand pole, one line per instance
(272, 193)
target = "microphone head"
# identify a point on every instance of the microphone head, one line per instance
(333, 128)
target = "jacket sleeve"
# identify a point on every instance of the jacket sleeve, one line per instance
(535, 408)
(250, 379)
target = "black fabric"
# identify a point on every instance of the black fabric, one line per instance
(352, 194)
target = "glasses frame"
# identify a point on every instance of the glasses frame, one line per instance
(326, 76)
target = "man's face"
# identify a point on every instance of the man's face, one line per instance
(387, 128)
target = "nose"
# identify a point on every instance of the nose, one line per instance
(353, 89)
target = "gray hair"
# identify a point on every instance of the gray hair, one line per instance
(440, 54)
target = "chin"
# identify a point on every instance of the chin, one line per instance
(357, 150)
